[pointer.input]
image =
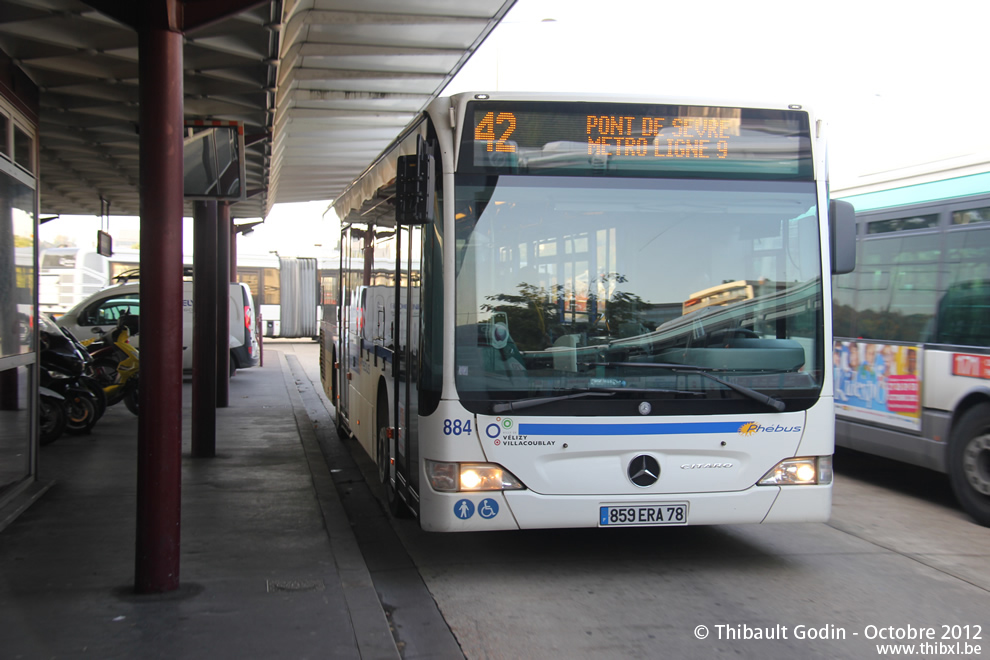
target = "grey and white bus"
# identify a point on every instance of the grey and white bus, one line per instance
(912, 332)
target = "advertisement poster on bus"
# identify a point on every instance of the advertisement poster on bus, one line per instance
(878, 382)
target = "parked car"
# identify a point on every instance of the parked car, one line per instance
(99, 313)
(245, 350)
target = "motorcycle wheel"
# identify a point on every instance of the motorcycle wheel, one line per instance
(132, 398)
(81, 412)
(52, 419)
(99, 396)
(105, 373)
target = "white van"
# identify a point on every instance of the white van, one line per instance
(99, 313)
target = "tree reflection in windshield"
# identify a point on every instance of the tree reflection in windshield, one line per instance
(536, 314)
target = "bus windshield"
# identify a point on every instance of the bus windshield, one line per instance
(566, 284)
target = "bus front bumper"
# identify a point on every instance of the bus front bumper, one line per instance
(500, 510)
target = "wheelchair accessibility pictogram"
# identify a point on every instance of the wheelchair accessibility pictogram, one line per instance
(488, 508)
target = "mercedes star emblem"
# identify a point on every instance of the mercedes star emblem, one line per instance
(644, 470)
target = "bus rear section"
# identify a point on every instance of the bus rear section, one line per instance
(553, 370)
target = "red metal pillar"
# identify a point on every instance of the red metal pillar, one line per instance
(233, 252)
(205, 306)
(159, 475)
(223, 300)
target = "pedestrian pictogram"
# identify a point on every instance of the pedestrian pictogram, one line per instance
(464, 509)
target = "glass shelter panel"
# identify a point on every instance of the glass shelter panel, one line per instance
(18, 273)
(15, 426)
(17, 267)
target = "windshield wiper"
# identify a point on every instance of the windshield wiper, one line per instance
(770, 401)
(594, 391)
(539, 401)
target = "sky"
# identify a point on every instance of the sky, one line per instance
(899, 84)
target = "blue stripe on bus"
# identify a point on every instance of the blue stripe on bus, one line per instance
(931, 191)
(685, 428)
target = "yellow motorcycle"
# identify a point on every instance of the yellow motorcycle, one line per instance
(116, 363)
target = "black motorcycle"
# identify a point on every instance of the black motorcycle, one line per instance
(61, 369)
(88, 379)
(52, 415)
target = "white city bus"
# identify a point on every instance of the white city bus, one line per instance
(912, 326)
(290, 291)
(511, 347)
(69, 275)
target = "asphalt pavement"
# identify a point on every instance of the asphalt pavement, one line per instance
(269, 563)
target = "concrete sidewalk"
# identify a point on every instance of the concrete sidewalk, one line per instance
(269, 565)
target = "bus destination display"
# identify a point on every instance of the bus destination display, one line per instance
(631, 139)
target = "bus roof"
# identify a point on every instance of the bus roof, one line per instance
(932, 191)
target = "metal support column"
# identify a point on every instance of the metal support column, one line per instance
(205, 312)
(223, 300)
(159, 475)
(233, 251)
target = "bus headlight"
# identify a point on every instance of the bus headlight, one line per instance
(815, 470)
(470, 477)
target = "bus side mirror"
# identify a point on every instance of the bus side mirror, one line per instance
(842, 234)
(415, 182)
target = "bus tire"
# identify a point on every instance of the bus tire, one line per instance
(969, 462)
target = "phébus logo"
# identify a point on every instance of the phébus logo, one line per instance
(752, 428)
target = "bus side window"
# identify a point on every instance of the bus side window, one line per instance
(964, 314)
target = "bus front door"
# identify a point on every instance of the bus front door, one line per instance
(408, 278)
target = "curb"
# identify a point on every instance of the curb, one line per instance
(371, 628)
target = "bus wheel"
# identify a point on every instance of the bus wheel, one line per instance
(969, 462)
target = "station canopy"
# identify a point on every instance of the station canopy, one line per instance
(320, 86)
